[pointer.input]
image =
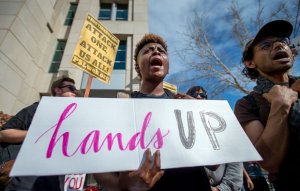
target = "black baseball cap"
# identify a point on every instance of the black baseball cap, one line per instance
(277, 28)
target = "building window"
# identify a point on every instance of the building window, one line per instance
(113, 11)
(122, 12)
(71, 14)
(57, 56)
(105, 11)
(120, 62)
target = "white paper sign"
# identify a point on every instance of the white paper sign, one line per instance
(74, 182)
(88, 135)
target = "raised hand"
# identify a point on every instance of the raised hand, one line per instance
(281, 95)
(145, 177)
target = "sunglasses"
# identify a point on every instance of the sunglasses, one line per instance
(72, 88)
(195, 95)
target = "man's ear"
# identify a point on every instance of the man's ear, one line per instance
(138, 70)
(250, 64)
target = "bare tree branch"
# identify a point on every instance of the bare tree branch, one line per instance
(204, 62)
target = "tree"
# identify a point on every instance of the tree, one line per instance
(220, 69)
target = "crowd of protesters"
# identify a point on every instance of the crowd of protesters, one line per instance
(269, 116)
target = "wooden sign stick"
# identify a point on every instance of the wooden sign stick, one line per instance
(88, 86)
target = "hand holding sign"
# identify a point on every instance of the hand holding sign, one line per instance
(146, 176)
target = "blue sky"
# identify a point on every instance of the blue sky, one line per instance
(168, 18)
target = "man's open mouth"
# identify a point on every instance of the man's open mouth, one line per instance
(280, 55)
(156, 62)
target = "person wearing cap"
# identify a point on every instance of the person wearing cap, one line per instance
(270, 114)
(13, 133)
(152, 65)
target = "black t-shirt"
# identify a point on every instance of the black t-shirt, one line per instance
(22, 121)
(191, 178)
(247, 110)
(167, 95)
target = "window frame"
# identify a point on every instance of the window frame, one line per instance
(71, 14)
(121, 64)
(57, 56)
(104, 8)
(121, 13)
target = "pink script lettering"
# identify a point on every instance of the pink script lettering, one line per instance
(92, 139)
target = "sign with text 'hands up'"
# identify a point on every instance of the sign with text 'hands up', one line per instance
(80, 135)
(96, 50)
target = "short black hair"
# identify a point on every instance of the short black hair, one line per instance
(195, 89)
(247, 56)
(148, 38)
(58, 83)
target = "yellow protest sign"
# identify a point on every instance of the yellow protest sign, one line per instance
(96, 50)
(171, 87)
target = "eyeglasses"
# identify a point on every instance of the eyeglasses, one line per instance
(268, 44)
(72, 88)
(195, 95)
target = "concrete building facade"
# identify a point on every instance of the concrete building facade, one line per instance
(38, 38)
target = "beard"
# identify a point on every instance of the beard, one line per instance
(281, 70)
(277, 69)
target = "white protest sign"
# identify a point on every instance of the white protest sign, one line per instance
(74, 182)
(88, 135)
